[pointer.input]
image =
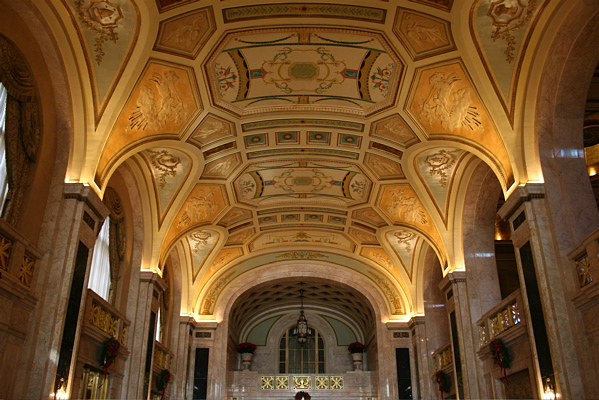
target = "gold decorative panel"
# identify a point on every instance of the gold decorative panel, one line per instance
(103, 319)
(282, 382)
(302, 382)
(26, 272)
(161, 358)
(336, 382)
(583, 269)
(322, 382)
(5, 248)
(267, 382)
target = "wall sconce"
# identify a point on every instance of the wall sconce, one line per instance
(549, 393)
(61, 392)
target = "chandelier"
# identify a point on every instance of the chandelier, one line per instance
(301, 331)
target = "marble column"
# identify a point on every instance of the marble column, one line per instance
(456, 294)
(133, 383)
(181, 361)
(76, 220)
(531, 221)
(422, 379)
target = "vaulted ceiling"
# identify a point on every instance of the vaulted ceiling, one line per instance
(338, 132)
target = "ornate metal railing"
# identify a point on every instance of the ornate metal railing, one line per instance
(297, 382)
(584, 270)
(162, 357)
(502, 317)
(442, 357)
(18, 259)
(105, 317)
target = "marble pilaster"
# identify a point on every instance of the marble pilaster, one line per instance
(76, 221)
(555, 279)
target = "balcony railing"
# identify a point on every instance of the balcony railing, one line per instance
(18, 258)
(105, 317)
(504, 316)
(442, 357)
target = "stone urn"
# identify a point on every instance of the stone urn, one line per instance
(357, 357)
(246, 360)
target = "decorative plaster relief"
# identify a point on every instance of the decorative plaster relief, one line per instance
(442, 4)
(211, 129)
(223, 167)
(241, 237)
(383, 168)
(186, 34)
(234, 216)
(423, 35)
(201, 244)
(310, 10)
(393, 128)
(337, 70)
(445, 103)
(501, 31)
(379, 256)
(363, 237)
(370, 216)
(161, 104)
(169, 169)
(224, 257)
(403, 243)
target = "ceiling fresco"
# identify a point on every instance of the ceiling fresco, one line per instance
(334, 70)
(502, 31)
(288, 133)
(108, 32)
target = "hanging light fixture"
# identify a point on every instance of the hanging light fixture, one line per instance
(302, 332)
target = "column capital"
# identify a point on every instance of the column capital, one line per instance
(522, 194)
(452, 278)
(86, 194)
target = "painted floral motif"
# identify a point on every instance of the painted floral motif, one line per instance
(508, 17)
(225, 77)
(381, 79)
(199, 238)
(101, 17)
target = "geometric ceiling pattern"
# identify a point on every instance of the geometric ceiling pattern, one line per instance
(316, 131)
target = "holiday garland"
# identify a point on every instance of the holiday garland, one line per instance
(444, 383)
(110, 349)
(302, 395)
(163, 379)
(501, 357)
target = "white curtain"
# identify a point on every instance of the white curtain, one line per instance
(99, 276)
(3, 173)
(159, 326)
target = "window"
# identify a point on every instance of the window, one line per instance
(3, 172)
(159, 325)
(306, 359)
(99, 276)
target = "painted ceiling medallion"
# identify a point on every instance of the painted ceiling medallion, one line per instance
(336, 70)
(305, 181)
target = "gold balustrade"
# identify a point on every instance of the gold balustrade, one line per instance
(504, 316)
(304, 382)
(442, 357)
(18, 258)
(105, 317)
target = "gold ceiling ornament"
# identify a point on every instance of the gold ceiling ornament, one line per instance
(101, 17)
(165, 164)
